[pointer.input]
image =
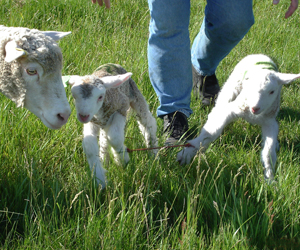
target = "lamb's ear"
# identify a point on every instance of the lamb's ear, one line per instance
(56, 35)
(71, 80)
(286, 78)
(115, 81)
(13, 51)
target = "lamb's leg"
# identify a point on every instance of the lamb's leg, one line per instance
(116, 137)
(91, 149)
(147, 123)
(270, 145)
(218, 119)
(103, 146)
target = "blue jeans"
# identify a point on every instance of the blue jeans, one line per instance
(170, 56)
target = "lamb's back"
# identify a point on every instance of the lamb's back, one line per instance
(234, 84)
(128, 88)
(116, 99)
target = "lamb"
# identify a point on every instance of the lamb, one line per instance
(30, 66)
(252, 92)
(102, 101)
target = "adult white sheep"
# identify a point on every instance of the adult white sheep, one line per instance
(252, 92)
(30, 73)
(102, 101)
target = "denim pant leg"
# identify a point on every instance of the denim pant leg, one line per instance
(169, 55)
(226, 22)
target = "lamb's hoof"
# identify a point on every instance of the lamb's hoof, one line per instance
(126, 158)
(269, 176)
(186, 155)
(100, 176)
(154, 152)
(103, 185)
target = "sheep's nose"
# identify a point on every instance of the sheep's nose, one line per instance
(63, 117)
(255, 110)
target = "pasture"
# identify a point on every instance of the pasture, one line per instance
(219, 201)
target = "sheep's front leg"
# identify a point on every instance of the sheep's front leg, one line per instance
(270, 145)
(103, 146)
(91, 149)
(116, 137)
(218, 119)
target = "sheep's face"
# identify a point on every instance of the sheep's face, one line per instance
(89, 93)
(45, 95)
(39, 62)
(262, 89)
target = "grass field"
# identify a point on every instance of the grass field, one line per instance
(220, 201)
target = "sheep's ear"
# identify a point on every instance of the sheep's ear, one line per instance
(71, 80)
(115, 81)
(13, 51)
(286, 78)
(56, 35)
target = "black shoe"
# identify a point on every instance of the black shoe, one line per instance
(176, 127)
(205, 87)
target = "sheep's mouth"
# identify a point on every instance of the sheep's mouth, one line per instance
(84, 118)
(255, 111)
(48, 124)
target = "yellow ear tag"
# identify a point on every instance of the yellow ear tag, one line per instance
(13, 52)
(25, 53)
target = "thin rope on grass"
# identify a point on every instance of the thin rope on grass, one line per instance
(187, 145)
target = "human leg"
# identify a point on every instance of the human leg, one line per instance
(169, 59)
(169, 55)
(224, 25)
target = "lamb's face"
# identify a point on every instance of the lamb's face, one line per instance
(45, 94)
(89, 94)
(262, 89)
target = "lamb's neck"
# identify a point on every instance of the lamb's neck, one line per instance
(100, 118)
(273, 110)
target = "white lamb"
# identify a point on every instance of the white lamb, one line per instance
(102, 101)
(251, 92)
(30, 73)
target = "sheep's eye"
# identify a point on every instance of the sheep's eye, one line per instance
(100, 98)
(272, 92)
(31, 71)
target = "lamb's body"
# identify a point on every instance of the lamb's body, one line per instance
(106, 116)
(252, 92)
(30, 73)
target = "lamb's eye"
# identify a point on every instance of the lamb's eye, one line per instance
(100, 98)
(31, 71)
(272, 92)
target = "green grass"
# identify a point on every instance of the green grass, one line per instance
(219, 201)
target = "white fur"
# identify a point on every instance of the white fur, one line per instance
(252, 92)
(29, 77)
(104, 116)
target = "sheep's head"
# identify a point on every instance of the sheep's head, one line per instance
(36, 60)
(89, 93)
(262, 89)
